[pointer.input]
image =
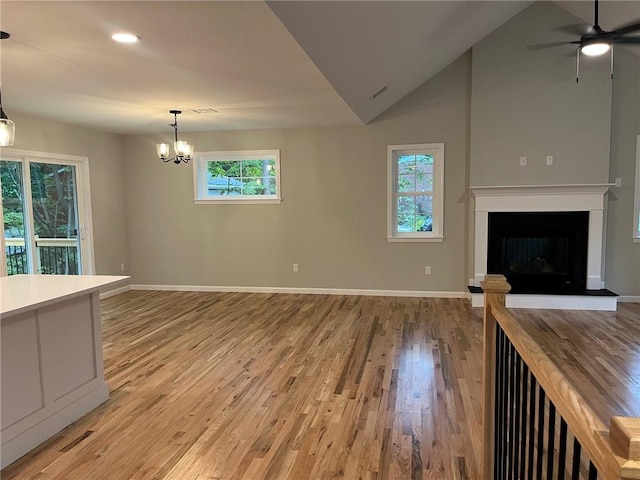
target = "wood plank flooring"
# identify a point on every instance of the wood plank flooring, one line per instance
(233, 386)
(258, 386)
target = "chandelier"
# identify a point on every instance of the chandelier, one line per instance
(183, 151)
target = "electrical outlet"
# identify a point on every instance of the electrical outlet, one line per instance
(427, 270)
(549, 159)
(122, 267)
(295, 268)
(523, 161)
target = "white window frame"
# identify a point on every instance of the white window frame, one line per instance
(437, 233)
(200, 176)
(636, 199)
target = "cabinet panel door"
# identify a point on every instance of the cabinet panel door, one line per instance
(22, 392)
(68, 347)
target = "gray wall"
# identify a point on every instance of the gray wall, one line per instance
(527, 103)
(622, 266)
(489, 110)
(332, 220)
(108, 206)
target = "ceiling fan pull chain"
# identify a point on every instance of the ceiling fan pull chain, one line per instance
(612, 61)
(578, 65)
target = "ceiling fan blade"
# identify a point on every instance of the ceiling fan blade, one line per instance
(575, 30)
(627, 40)
(542, 46)
(632, 27)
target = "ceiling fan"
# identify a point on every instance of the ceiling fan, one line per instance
(596, 41)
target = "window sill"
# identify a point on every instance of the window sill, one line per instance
(636, 239)
(415, 239)
(240, 201)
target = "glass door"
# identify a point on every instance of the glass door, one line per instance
(54, 208)
(42, 207)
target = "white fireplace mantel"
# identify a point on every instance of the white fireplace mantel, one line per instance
(542, 198)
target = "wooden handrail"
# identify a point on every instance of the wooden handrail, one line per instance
(616, 458)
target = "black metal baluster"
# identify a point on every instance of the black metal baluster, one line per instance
(540, 446)
(575, 469)
(523, 421)
(551, 439)
(562, 454)
(532, 424)
(516, 419)
(593, 472)
(511, 422)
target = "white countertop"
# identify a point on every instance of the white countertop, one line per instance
(20, 293)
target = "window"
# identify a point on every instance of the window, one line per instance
(415, 177)
(636, 211)
(251, 176)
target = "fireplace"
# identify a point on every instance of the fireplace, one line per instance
(539, 252)
(552, 272)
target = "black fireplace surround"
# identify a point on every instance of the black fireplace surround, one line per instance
(539, 252)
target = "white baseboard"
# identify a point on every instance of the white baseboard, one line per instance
(115, 291)
(303, 291)
(628, 299)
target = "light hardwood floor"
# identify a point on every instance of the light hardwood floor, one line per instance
(231, 386)
(257, 386)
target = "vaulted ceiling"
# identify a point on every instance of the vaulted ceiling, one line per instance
(257, 64)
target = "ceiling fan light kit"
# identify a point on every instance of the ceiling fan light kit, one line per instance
(595, 49)
(597, 41)
(183, 151)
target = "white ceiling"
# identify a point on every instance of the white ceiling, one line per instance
(282, 64)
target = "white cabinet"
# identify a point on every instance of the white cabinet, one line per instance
(51, 357)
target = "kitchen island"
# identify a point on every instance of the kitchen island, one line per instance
(51, 356)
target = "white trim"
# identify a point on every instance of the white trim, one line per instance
(200, 176)
(438, 152)
(562, 189)
(302, 291)
(415, 239)
(241, 201)
(3, 262)
(542, 198)
(636, 197)
(628, 299)
(553, 302)
(114, 292)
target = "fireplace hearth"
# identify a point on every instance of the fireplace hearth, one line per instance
(539, 252)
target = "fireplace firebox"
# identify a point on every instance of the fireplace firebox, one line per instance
(539, 252)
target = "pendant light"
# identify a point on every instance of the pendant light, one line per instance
(183, 151)
(7, 127)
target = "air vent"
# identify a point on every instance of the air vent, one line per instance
(204, 110)
(379, 92)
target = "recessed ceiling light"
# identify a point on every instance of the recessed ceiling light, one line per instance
(123, 37)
